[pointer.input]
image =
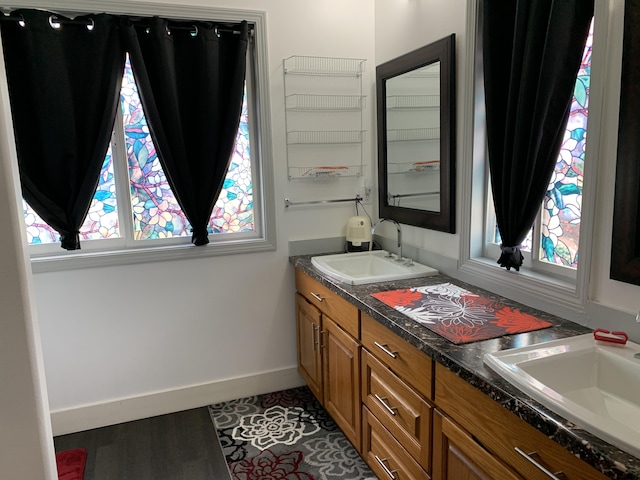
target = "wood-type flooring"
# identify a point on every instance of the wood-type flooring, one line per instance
(176, 446)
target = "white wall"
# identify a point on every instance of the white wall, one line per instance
(612, 304)
(403, 26)
(113, 335)
(26, 450)
(230, 318)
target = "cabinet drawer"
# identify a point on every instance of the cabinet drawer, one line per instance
(501, 432)
(409, 363)
(457, 455)
(402, 411)
(345, 314)
(385, 455)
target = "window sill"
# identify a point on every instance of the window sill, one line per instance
(550, 294)
(107, 258)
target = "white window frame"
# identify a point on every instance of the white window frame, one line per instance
(546, 288)
(45, 258)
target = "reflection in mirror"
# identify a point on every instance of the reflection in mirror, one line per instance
(416, 136)
(413, 139)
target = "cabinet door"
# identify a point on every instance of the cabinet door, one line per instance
(308, 324)
(341, 365)
(457, 456)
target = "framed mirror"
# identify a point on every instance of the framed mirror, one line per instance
(416, 136)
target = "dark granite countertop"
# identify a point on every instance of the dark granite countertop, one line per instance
(467, 361)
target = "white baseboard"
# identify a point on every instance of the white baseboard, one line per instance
(159, 403)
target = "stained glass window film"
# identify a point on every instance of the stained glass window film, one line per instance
(155, 213)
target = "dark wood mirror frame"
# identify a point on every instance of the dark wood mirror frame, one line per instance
(625, 242)
(443, 51)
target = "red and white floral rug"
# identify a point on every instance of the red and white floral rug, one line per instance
(285, 435)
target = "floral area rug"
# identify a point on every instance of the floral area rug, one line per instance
(285, 435)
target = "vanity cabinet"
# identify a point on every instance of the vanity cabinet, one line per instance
(495, 432)
(329, 353)
(409, 416)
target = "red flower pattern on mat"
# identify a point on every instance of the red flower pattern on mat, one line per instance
(269, 466)
(461, 332)
(397, 298)
(459, 315)
(515, 321)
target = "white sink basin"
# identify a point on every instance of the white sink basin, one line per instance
(368, 267)
(596, 385)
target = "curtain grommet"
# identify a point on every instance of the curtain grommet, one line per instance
(54, 22)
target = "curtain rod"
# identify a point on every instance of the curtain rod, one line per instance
(138, 21)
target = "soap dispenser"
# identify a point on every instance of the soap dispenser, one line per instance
(358, 234)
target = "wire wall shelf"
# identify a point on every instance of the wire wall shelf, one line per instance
(429, 71)
(412, 101)
(305, 65)
(413, 167)
(325, 137)
(324, 116)
(413, 134)
(302, 101)
(326, 171)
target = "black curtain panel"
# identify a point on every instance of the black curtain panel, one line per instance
(64, 85)
(532, 53)
(190, 77)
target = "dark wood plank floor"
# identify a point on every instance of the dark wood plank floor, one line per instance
(177, 446)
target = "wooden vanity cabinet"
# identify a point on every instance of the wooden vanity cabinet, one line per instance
(408, 416)
(329, 353)
(500, 433)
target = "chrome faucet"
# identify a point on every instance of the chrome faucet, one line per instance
(399, 259)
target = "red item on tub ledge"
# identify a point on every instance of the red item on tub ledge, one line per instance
(613, 337)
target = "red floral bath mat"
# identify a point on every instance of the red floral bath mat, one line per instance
(459, 315)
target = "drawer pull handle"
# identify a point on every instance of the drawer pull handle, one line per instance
(531, 458)
(386, 350)
(385, 468)
(320, 338)
(317, 297)
(383, 401)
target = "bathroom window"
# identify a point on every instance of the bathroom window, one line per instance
(134, 216)
(148, 203)
(555, 238)
(554, 275)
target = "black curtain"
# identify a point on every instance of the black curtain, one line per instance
(532, 52)
(191, 84)
(64, 87)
